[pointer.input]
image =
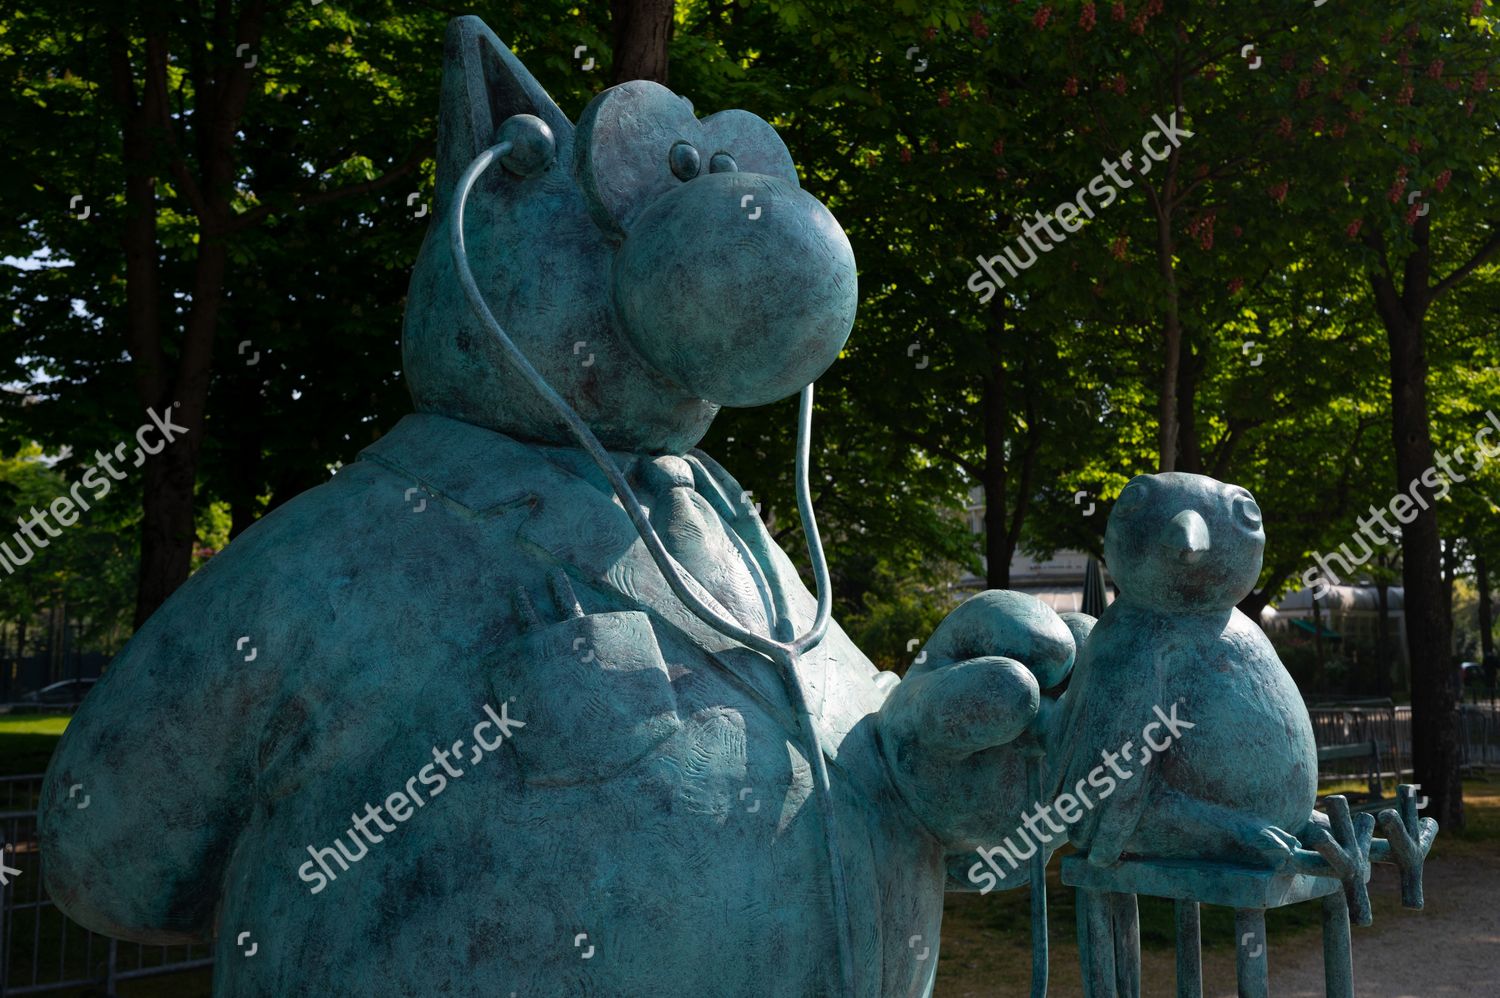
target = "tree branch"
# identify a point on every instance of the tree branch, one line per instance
(934, 446)
(247, 219)
(1490, 247)
(156, 86)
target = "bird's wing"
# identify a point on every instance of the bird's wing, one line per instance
(1107, 705)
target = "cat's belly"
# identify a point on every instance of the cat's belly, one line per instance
(701, 871)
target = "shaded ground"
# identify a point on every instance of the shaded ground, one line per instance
(1452, 947)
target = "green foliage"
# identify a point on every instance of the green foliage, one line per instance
(1466, 644)
(933, 157)
(935, 133)
(87, 569)
(895, 616)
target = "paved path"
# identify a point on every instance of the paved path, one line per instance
(1451, 947)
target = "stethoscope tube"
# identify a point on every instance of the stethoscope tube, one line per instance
(784, 649)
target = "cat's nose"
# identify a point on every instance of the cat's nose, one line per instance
(1187, 537)
(738, 286)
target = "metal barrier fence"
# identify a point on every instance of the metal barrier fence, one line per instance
(42, 951)
(1388, 725)
(1479, 736)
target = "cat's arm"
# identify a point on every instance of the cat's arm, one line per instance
(156, 774)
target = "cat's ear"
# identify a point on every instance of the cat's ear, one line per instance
(483, 85)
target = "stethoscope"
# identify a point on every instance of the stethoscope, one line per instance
(782, 647)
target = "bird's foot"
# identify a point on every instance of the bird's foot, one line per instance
(1407, 842)
(1342, 840)
(1277, 847)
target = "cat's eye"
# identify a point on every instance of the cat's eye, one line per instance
(684, 161)
(1131, 498)
(1247, 512)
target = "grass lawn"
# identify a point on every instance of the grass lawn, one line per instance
(27, 741)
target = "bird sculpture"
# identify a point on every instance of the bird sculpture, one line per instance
(1181, 735)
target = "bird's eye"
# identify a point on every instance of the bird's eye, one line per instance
(1131, 498)
(1247, 512)
(683, 158)
(722, 162)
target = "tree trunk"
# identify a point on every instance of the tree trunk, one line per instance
(996, 415)
(1450, 576)
(220, 93)
(1486, 627)
(20, 645)
(1434, 690)
(1006, 475)
(143, 290)
(1486, 613)
(167, 526)
(1317, 615)
(1190, 371)
(1171, 349)
(246, 475)
(167, 529)
(12, 668)
(1434, 694)
(641, 30)
(138, 236)
(54, 642)
(1383, 635)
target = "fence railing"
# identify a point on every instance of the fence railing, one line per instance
(1390, 725)
(42, 951)
(1480, 737)
(1385, 724)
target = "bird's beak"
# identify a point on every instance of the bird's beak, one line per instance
(1187, 537)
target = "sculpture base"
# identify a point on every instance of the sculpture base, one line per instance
(1228, 885)
(1109, 947)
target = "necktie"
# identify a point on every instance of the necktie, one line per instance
(695, 535)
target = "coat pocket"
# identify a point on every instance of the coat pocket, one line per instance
(595, 694)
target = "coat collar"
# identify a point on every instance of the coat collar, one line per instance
(572, 515)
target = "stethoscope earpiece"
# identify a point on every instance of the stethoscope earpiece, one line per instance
(533, 147)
